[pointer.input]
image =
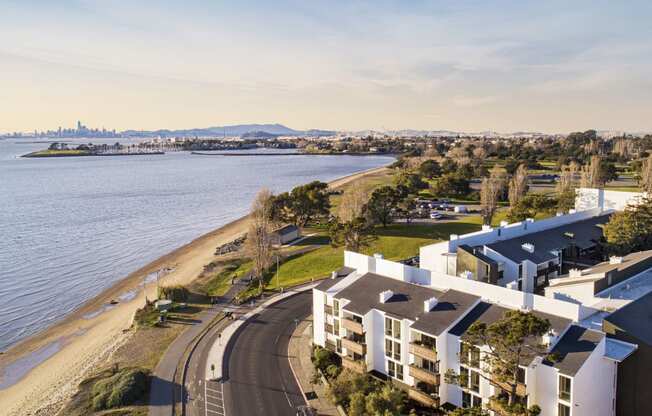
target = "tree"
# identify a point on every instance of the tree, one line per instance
(304, 203)
(451, 185)
(353, 235)
(506, 344)
(646, 175)
(468, 411)
(518, 184)
(631, 229)
(488, 200)
(381, 205)
(430, 169)
(352, 204)
(410, 182)
(386, 402)
(566, 189)
(529, 206)
(259, 241)
(592, 176)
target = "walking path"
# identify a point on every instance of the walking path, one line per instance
(299, 353)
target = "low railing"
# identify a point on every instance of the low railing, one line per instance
(423, 351)
(358, 366)
(521, 389)
(352, 326)
(423, 397)
(328, 310)
(424, 375)
(354, 346)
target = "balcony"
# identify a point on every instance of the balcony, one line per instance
(330, 345)
(353, 326)
(351, 345)
(424, 375)
(423, 398)
(328, 310)
(358, 366)
(520, 388)
(424, 351)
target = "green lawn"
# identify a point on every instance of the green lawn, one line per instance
(396, 242)
(219, 284)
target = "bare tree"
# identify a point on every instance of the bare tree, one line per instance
(518, 185)
(259, 236)
(489, 199)
(352, 203)
(646, 175)
(591, 173)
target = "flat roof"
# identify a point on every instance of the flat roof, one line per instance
(574, 348)
(629, 260)
(450, 307)
(585, 235)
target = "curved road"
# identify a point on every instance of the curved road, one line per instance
(257, 375)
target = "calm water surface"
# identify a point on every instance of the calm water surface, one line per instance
(71, 227)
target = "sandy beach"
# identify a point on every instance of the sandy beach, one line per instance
(86, 337)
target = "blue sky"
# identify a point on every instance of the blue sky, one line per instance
(460, 65)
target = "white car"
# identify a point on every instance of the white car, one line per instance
(436, 216)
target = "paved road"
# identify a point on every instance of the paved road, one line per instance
(257, 377)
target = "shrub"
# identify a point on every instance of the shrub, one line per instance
(332, 371)
(173, 293)
(323, 358)
(120, 389)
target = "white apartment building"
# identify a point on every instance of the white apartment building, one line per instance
(406, 324)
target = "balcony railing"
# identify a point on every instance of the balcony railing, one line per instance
(423, 351)
(423, 398)
(424, 375)
(328, 310)
(354, 346)
(521, 389)
(358, 366)
(330, 345)
(352, 326)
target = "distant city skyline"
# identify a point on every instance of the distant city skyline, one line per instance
(506, 66)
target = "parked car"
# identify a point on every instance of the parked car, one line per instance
(436, 215)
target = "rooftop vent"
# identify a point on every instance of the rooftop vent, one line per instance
(386, 295)
(550, 338)
(615, 260)
(575, 273)
(333, 275)
(378, 256)
(529, 247)
(428, 304)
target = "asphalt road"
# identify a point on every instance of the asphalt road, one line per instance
(257, 375)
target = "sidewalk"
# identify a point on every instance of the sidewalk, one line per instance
(299, 352)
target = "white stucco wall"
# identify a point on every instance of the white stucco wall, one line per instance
(318, 315)
(593, 390)
(592, 198)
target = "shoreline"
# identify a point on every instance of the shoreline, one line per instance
(85, 337)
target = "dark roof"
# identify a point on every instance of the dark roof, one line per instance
(290, 228)
(585, 234)
(635, 319)
(326, 284)
(488, 313)
(450, 307)
(574, 348)
(364, 295)
(629, 260)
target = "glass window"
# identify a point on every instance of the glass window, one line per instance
(399, 371)
(336, 327)
(397, 329)
(475, 356)
(464, 353)
(391, 368)
(336, 307)
(339, 345)
(475, 381)
(563, 410)
(520, 375)
(464, 377)
(397, 351)
(564, 387)
(476, 401)
(388, 347)
(388, 327)
(466, 399)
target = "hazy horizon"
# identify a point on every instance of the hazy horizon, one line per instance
(550, 67)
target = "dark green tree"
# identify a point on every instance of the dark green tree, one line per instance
(630, 230)
(382, 203)
(430, 169)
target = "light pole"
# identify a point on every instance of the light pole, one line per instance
(278, 284)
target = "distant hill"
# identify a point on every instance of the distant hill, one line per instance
(258, 135)
(232, 130)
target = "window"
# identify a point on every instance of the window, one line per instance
(399, 371)
(563, 410)
(431, 366)
(336, 307)
(397, 329)
(564, 388)
(391, 368)
(475, 356)
(464, 353)
(466, 399)
(388, 347)
(476, 401)
(388, 327)
(520, 375)
(397, 351)
(338, 344)
(474, 381)
(328, 327)
(464, 376)
(336, 327)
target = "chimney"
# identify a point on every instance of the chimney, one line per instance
(575, 273)
(529, 247)
(334, 275)
(386, 295)
(615, 260)
(550, 338)
(428, 304)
